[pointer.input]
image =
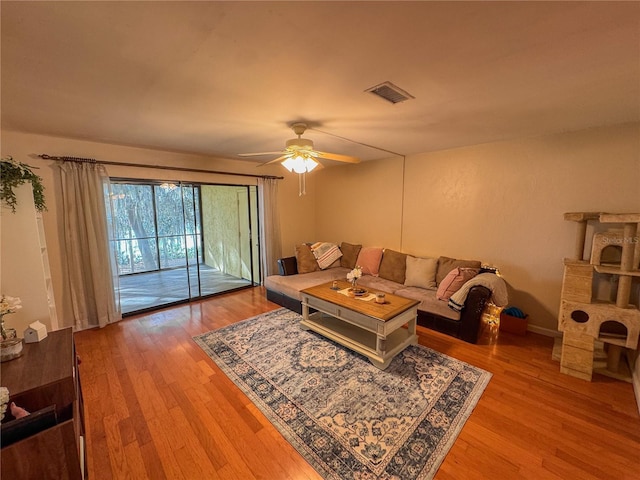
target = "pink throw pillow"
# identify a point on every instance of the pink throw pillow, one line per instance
(454, 281)
(369, 260)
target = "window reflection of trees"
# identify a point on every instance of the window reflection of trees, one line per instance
(150, 225)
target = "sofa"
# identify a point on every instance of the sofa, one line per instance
(420, 278)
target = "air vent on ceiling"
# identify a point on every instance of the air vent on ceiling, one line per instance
(390, 92)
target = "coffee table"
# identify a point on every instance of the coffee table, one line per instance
(371, 329)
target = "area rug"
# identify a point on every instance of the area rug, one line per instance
(347, 418)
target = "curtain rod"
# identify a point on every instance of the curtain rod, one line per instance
(44, 156)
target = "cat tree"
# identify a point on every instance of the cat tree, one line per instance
(583, 318)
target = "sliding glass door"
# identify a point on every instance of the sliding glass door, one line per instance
(179, 241)
(229, 235)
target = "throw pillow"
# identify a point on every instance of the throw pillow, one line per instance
(393, 265)
(326, 253)
(454, 281)
(349, 254)
(306, 261)
(446, 264)
(421, 272)
(369, 260)
(335, 264)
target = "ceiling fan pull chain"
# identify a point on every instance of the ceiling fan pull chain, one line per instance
(302, 184)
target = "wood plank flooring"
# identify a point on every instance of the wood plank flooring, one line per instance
(157, 407)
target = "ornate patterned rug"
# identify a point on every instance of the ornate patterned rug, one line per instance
(348, 419)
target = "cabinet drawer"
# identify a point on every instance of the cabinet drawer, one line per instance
(321, 305)
(343, 313)
(52, 453)
(359, 319)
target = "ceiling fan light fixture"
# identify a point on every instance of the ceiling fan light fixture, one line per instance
(300, 157)
(310, 163)
(299, 163)
(289, 163)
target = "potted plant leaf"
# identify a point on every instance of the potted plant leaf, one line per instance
(12, 175)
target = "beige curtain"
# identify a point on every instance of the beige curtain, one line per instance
(89, 269)
(270, 244)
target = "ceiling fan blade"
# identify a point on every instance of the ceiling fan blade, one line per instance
(338, 158)
(279, 159)
(260, 153)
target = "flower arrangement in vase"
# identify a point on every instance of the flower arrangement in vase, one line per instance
(353, 277)
(10, 346)
(8, 305)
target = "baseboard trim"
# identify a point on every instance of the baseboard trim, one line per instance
(547, 332)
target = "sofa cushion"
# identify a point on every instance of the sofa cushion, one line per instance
(428, 302)
(306, 261)
(421, 272)
(454, 281)
(393, 265)
(446, 264)
(349, 254)
(369, 260)
(291, 285)
(379, 283)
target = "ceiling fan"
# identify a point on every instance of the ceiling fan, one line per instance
(299, 155)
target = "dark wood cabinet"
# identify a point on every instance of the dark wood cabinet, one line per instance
(45, 376)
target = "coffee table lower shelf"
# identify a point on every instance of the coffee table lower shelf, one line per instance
(379, 351)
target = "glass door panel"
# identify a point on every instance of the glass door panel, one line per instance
(178, 241)
(192, 237)
(150, 253)
(225, 237)
(135, 228)
(255, 235)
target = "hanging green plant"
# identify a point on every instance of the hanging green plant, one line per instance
(12, 175)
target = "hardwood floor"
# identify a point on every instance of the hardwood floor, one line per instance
(157, 407)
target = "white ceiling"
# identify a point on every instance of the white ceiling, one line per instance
(221, 78)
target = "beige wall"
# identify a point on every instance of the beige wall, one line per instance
(501, 203)
(298, 221)
(24, 146)
(225, 230)
(361, 203)
(23, 264)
